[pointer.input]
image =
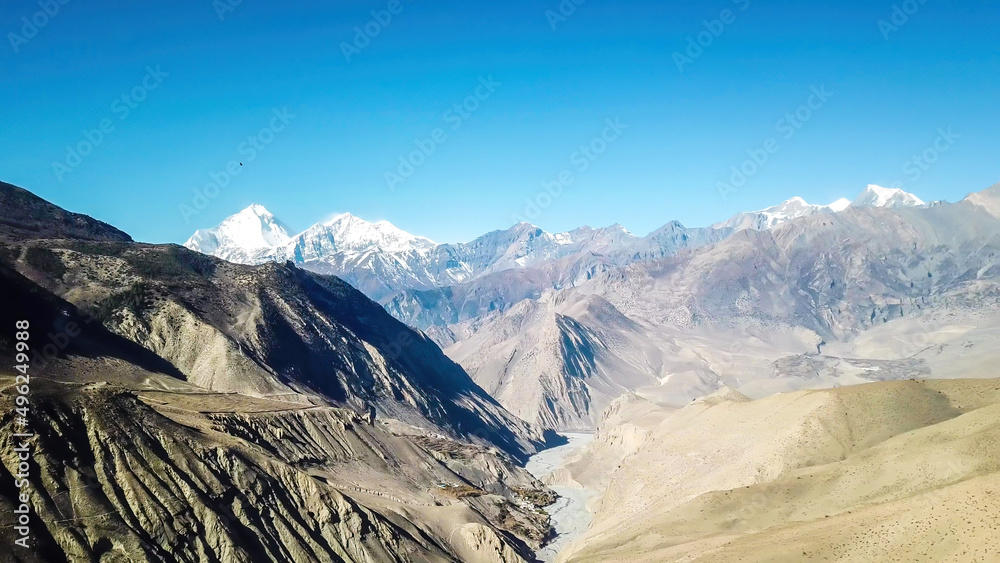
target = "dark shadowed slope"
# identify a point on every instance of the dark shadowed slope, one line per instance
(270, 331)
(25, 215)
(195, 410)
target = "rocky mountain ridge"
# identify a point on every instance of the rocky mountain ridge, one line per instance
(724, 313)
(543, 338)
(193, 409)
(382, 260)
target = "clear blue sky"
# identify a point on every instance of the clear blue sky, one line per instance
(557, 87)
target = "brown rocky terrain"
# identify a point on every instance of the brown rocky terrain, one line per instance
(891, 471)
(187, 409)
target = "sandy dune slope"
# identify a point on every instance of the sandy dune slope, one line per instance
(890, 471)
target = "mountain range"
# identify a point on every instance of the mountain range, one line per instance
(190, 408)
(185, 408)
(547, 323)
(381, 260)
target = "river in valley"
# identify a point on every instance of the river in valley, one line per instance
(570, 516)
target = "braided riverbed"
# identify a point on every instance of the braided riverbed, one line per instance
(570, 516)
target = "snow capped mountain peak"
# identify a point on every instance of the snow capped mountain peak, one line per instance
(242, 235)
(618, 228)
(344, 219)
(840, 205)
(348, 233)
(771, 217)
(877, 196)
(381, 259)
(256, 209)
(796, 207)
(792, 208)
(254, 236)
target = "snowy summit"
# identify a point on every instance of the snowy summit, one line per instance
(249, 233)
(877, 196)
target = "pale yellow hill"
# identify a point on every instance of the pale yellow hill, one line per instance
(895, 471)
